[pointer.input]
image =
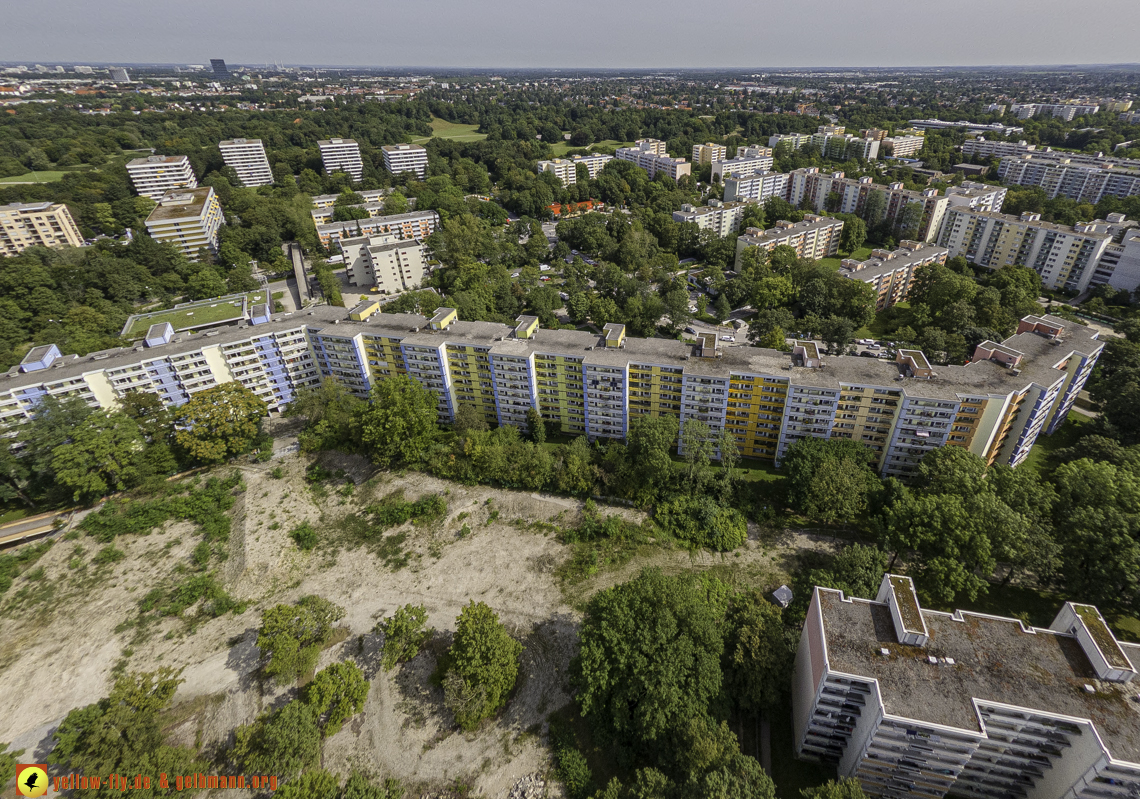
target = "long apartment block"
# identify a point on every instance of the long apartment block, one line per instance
(919, 703)
(650, 155)
(342, 155)
(891, 273)
(814, 237)
(247, 158)
(1069, 175)
(412, 225)
(155, 175)
(758, 186)
(405, 158)
(46, 224)
(1065, 256)
(722, 218)
(594, 385)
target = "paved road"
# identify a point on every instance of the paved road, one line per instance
(30, 527)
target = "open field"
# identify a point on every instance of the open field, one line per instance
(193, 315)
(562, 147)
(35, 177)
(51, 176)
(442, 129)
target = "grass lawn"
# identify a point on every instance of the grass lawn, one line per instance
(878, 328)
(861, 254)
(206, 312)
(35, 177)
(561, 148)
(1040, 457)
(442, 129)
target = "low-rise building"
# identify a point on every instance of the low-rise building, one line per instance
(384, 263)
(405, 158)
(413, 225)
(1064, 256)
(46, 224)
(247, 158)
(369, 196)
(650, 156)
(758, 186)
(342, 155)
(155, 175)
(187, 218)
(891, 272)
(722, 218)
(815, 237)
(707, 153)
(919, 703)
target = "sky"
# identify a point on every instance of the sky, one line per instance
(584, 33)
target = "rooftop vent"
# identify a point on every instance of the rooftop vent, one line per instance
(1089, 689)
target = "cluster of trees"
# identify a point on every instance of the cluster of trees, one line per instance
(70, 452)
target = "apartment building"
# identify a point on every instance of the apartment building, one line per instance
(562, 168)
(707, 153)
(874, 133)
(1132, 118)
(793, 140)
(902, 146)
(977, 196)
(1119, 265)
(328, 201)
(385, 263)
(47, 224)
(187, 218)
(816, 187)
(969, 127)
(1065, 257)
(593, 162)
(405, 158)
(247, 158)
(1065, 111)
(984, 148)
(919, 703)
(412, 225)
(155, 175)
(741, 165)
(342, 155)
(815, 237)
(891, 273)
(841, 146)
(723, 218)
(1086, 179)
(757, 186)
(649, 154)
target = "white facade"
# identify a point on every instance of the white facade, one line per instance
(188, 219)
(757, 186)
(405, 158)
(155, 175)
(565, 170)
(342, 155)
(46, 224)
(386, 262)
(977, 196)
(247, 158)
(1065, 175)
(740, 166)
(988, 149)
(903, 146)
(648, 155)
(592, 162)
(721, 218)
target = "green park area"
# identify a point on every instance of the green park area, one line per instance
(561, 148)
(35, 177)
(193, 315)
(442, 129)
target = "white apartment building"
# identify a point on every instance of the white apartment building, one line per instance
(1132, 118)
(722, 218)
(902, 146)
(1119, 265)
(707, 153)
(1064, 256)
(155, 175)
(1070, 175)
(323, 201)
(977, 196)
(741, 165)
(891, 273)
(757, 186)
(593, 162)
(247, 158)
(562, 168)
(385, 263)
(342, 155)
(1065, 111)
(753, 151)
(649, 156)
(815, 237)
(412, 225)
(793, 140)
(1000, 149)
(919, 703)
(840, 147)
(405, 158)
(46, 224)
(187, 218)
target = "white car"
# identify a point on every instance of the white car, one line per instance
(728, 338)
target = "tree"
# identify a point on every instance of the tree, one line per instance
(337, 694)
(395, 203)
(358, 787)
(649, 659)
(102, 456)
(292, 636)
(220, 422)
(697, 447)
(848, 788)
(405, 632)
(829, 479)
(485, 658)
(853, 235)
(8, 763)
(332, 417)
(721, 308)
(318, 784)
(535, 426)
(286, 742)
(51, 426)
(206, 284)
(757, 656)
(400, 423)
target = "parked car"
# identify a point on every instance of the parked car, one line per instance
(868, 354)
(728, 338)
(691, 330)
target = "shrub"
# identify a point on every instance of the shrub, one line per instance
(107, 555)
(304, 536)
(703, 521)
(484, 664)
(404, 633)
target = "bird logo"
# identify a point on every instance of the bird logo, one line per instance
(31, 779)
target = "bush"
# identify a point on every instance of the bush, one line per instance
(393, 510)
(484, 664)
(337, 694)
(404, 633)
(293, 636)
(108, 554)
(703, 521)
(304, 536)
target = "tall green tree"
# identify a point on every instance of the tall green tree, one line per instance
(337, 693)
(829, 479)
(757, 653)
(285, 742)
(400, 423)
(220, 422)
(292, 636)
(483, 665)
(102, 456)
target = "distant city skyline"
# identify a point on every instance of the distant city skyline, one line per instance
(510, 34)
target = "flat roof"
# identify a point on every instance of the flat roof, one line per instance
(172, 206)
(995, 660)
(1013, 219)
(151, 160)
(27, 207)
(900, 258)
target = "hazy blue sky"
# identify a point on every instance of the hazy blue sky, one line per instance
(524, 33)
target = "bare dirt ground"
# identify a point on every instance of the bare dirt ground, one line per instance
(63, 636)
